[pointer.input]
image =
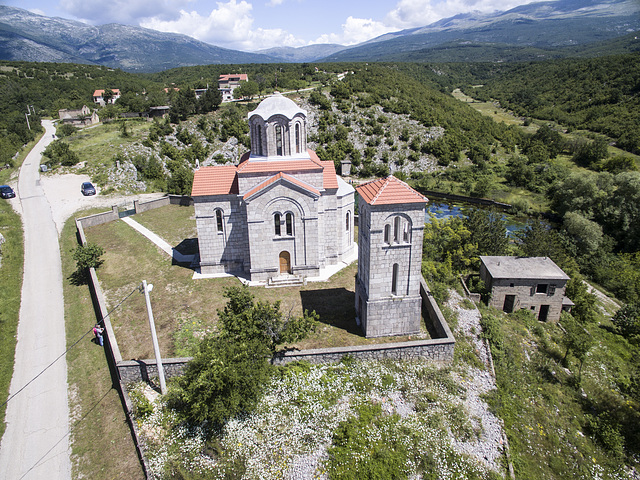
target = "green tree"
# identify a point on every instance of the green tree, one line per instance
(586, 233)
(489, 230)
(223, 380)
(576, 339)
(243, 319)
(627, 320)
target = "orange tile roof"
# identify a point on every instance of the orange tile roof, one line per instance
(388, 191)
(239, 76)
(329, 179)
(218, 180)
(278, 166)
(100, 93)
(277, 177)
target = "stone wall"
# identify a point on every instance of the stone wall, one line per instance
(131, 371)
(99, 218)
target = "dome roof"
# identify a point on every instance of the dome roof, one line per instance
(277, 105)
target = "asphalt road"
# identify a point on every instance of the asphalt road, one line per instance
(36, 442)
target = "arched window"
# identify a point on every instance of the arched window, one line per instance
(276, 223)
(219, 222)
(387, 233)
(348, 223)
(259, 140)
(278, 140)
(405, 233)
(289, 223)
(394, 279)
(396, 230)
(298, 138)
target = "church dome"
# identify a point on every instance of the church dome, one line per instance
(277, 104)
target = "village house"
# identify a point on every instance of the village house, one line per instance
(281, 213)
(533, 283)
(79, 118)
(228, 83)
(98, 97)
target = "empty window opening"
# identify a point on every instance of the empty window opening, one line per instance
(387, 233)
(405, 233)
(542, 287)
(297, 138)
(396, 230)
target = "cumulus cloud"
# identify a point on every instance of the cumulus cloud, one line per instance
(229, 25)
(355, 30)
(121, 11)
(418, 13)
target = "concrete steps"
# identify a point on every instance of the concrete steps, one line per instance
(285, 281)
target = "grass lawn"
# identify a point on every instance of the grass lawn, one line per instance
(182, 305)
(101, 442)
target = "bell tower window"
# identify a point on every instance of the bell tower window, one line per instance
(297, 138)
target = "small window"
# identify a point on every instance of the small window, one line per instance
(396, 230)
(289, 223)
(278, 140)
(259, 140)
(405, 233)
(387, 233)
(297, 138)
(394, 279)
(542, 288)
(347, 226)
(276, 223)
(512, 285)
(219, 223)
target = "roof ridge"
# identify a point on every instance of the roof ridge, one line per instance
(385, 182)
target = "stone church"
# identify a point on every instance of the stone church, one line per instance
(281, 211)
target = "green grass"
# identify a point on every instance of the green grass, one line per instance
(178, 300)
(98, 145)
(545, 408)
(101, 442)
(10, 290)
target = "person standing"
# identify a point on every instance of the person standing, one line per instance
(97, 331)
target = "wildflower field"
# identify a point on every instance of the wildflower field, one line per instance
(377, 419)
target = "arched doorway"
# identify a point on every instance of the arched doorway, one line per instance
(285, 262)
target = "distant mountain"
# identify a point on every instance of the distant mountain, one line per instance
(30, 37)
(309, 53)
(542, 30)
(543, 25)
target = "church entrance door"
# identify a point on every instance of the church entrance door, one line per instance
(285, 262)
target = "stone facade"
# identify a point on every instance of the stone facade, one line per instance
(281, 211)
(389, 258)
(534, 283)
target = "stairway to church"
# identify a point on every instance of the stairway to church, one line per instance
(285, 281)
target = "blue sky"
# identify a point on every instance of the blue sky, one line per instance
(252, 25)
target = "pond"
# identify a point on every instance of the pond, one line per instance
(445, 210)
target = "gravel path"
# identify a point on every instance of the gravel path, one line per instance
(488, 448)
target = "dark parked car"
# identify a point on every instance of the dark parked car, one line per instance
(7, 192)
(88, 189)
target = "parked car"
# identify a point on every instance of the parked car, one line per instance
(7, 192)
(88, 189)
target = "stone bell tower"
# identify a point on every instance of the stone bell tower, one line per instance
(390, 232)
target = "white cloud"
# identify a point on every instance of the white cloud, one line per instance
(227, 26)
(419, 13)
(121, 11)
(355, 30)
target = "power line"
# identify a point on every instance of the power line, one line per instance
(67, 350)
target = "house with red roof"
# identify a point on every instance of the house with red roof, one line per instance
(99, 97)
(390, 232)
(229, 82)
(281, 213)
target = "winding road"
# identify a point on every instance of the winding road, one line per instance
(35, 444)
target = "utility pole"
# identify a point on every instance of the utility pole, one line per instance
(156, 348)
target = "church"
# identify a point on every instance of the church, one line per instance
(281, 212)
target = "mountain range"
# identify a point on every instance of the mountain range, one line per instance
(527, 32)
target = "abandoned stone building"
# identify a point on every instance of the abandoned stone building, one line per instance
(533, 283)
(281, 211)
(391, 227)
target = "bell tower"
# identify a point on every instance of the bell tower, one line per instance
(390, 232)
